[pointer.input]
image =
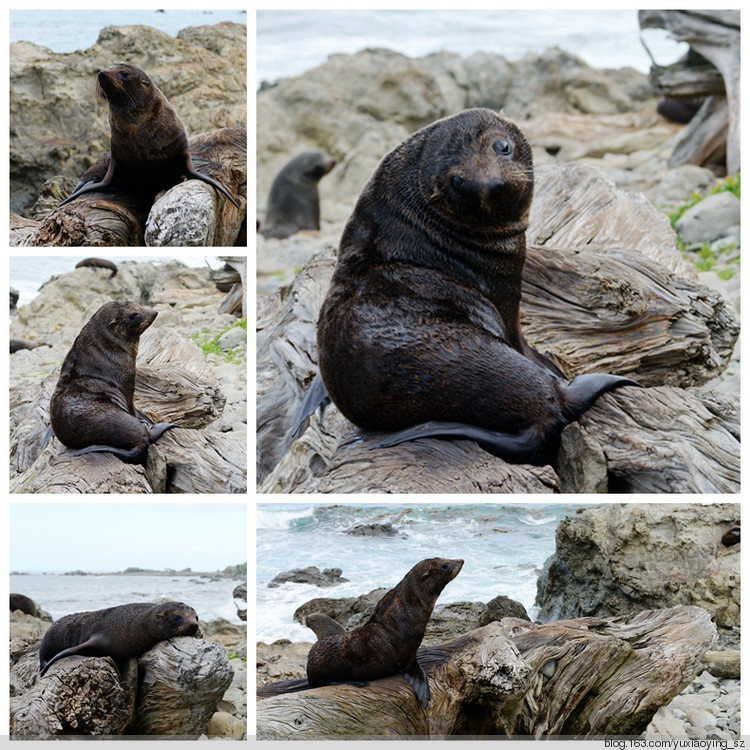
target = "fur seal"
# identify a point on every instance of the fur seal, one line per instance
(16, 345)
(322, 625)
(123, 632)
(293, 201)
(420, 332)
(148, 145)
(91, 408)
(98, 263)
(387, 643)
(22, 602)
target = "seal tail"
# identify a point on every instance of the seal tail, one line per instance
(584, 390)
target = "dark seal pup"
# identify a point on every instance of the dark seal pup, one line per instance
(148, 145)
(419, 334)
(98, 263)
(123, 632)
(24, 603)
(387, 643)
(92, 408)
(293, 201)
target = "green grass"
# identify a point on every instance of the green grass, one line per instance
(208, 341)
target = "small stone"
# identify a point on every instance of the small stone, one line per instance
(701, 718)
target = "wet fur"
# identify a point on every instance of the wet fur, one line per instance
(387, 643)
(123, 632)
(420, 331)
(91, 408)
(149, 148)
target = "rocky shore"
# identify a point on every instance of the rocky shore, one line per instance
(610, 561)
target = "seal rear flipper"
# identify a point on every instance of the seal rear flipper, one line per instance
(157, 430)
(124, 452)
(584, 390)
(316, 396)
(519, 447)
(416, 677)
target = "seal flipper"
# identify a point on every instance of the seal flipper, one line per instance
(88, 187)
(157, 430)
(416, 677)
(124, 452)
(92, 646)
(584, 390)
(192, 174)
(520, 447)
(316, 396)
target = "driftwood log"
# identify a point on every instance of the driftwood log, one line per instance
(189, 214)
(173, 384)
(233, 273)
(604, 289)
(173, 689)
(578, 678)
(713, 72)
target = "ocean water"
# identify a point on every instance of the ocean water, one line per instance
(28, 273)
(290, 42)
(61, 594)
(71, 30)
(504, 548)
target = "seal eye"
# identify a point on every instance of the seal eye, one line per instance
(457, 184)
(176, 618)
(502, 147)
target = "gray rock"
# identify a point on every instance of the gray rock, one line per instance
(710, 219)
(310, 575)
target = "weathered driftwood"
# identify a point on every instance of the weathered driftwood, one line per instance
(189, 214)
(181, 687)
(235, 273)
(173, 689)
(79, 695)
(583, 678)
(715, 36)
(173, 384)
(722, 664)
(654, 440)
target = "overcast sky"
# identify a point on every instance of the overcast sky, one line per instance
(106, 537)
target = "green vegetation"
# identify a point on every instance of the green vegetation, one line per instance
(208, 341)
(707, 258)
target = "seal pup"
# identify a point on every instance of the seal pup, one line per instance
(91, 408)
(293, 201)
(148, 145)
(387, 643)
(24, 603)
(420, 332)
(98, 263)
(123, 632)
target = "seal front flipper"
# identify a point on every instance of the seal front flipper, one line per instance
(157, 430)
(91, 647)
(416, 677)
(124, 452)
(520, 447)
(88, 186)
(316, 396)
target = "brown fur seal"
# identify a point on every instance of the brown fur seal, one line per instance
(148, 147)
(123, 632)
(420, 332)
(387, 643)
(16, 345)
(92, 408)
(98, 263)
(293, 202)
(22, 602)
(322, 625)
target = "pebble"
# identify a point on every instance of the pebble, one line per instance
(707, 709)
